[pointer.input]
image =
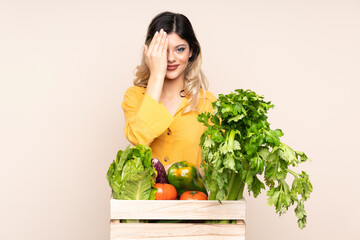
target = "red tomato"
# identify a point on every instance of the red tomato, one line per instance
(193, 195)
(165, 191)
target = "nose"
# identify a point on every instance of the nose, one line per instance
(170, 56)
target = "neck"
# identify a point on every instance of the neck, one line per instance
(172, 87)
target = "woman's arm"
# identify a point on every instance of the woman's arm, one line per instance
(145, 118)
(156, 60)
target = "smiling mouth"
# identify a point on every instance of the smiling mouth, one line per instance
(173, 67)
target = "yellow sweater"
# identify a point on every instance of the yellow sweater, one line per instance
(171, 138)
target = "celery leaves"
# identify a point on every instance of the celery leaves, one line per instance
(238, 146)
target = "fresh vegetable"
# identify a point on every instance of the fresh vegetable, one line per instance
(165, 191)
(161, 176)
(185, 177)
(193, 195)
(238, 146)
(131, 176)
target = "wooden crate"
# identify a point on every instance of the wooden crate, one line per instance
(177, 210)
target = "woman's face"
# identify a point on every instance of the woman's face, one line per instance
(178, 55)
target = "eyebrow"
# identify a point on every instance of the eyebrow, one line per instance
(181, 45)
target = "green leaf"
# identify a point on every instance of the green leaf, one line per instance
(237, 118)
(130, 167)
(221, 194)
(302, 186)
(273, 197)
(229, 161)
(301, 214)
(208, 143)
(137, 186)
(288, 154)
(256, 186)
(152, 193)
(264, 153)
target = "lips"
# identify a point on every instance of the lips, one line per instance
(172, 67)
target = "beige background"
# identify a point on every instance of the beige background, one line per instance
(64, 67)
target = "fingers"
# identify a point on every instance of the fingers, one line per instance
(145, 49)
(151, 46)
(158, 43)
(164, 50)
(163, 44)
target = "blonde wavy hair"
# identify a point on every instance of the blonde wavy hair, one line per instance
(195, 79)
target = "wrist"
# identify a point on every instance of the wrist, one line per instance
(157, 77)
(154, 86)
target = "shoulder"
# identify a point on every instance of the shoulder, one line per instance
(134, 92)
(205, 103)
(209, 96)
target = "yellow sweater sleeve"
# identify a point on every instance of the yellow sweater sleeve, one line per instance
(145, 118)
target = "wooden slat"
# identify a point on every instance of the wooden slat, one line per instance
(176, 209)
(178, 231)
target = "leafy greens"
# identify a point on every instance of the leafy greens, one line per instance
(238, 146)
(132, 176)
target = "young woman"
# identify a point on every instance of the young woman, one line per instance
(170, 91)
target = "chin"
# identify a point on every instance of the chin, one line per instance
(173, 75)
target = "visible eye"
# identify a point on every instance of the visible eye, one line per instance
(180, 49)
